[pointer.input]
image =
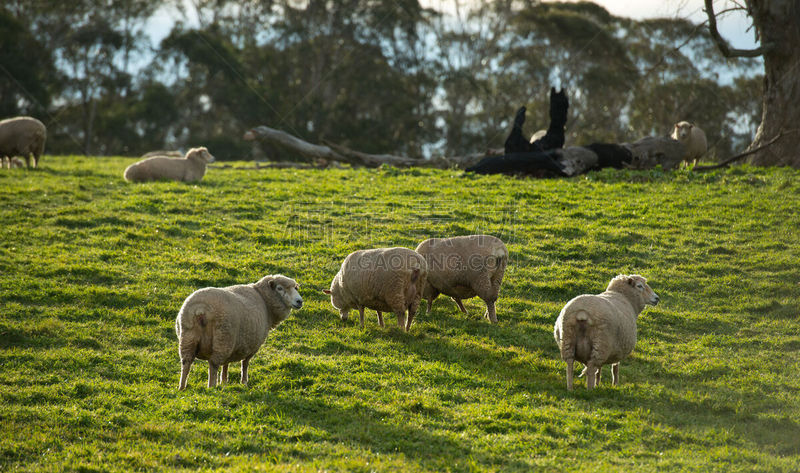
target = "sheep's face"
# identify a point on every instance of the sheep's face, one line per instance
(682, 131)
(646, 292)
(200, 154)
(287, 290)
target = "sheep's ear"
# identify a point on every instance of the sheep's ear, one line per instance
(271, 284)
(327, 291)
(631, 282)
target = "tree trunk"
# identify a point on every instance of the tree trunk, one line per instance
(778, 23)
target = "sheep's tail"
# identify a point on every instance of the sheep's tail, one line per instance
(500, 255)
(195, 315)
(575, 326)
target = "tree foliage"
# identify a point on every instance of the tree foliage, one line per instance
(382, 76)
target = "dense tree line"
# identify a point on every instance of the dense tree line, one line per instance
(374, 75)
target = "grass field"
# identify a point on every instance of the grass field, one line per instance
(93, 271)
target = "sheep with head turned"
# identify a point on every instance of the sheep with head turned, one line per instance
(224, 325)
(601, 329)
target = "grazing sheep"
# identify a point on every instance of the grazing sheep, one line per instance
(693, 138)
(22, 136)
(464, 267)
(601, 329)
(190, 168)
(230, 324)
(384, 280)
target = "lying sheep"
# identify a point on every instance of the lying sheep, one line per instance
(601, 329)
(224, 325)
(693, 138)
(22, 136)
(384, 280)
(190, 168)
(464, 267)
(15, 162)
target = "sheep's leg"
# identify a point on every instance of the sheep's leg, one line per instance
(245, 365)
(27, 161)
(212, 374)
(224, 376)
(615, 374)
(411, 313)
(461, 306)
(490, 312)
(590, 377)
(361, 316)
(401, 319)
(597, 378)
(186, 364)
(380, 319)
(570, 369)
(430, 304)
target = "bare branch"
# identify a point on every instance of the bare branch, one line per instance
(741, 155)
(723, 45)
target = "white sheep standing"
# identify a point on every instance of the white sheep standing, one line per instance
(190, 168)
(21, 136)
(464, 267)
(224, 325)
(601, 329)
(381, 279)
(693, 138)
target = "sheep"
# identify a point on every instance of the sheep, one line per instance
(601, 329)
(224, 325)
(464, 267)
(190, 168)
(15, 162)
(382, 279)
(693, 137)
(22, 136)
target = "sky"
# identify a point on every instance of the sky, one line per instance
(734, 26)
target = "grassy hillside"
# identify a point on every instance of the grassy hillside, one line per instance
(93, 271)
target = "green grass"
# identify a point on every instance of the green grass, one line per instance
(93, 271)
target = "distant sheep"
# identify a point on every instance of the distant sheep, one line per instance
(693, 138)
(224, 325)
(464, 267)
(15, 162)
(22, 136)
(384, 280)
(190, 168)
(601, 329)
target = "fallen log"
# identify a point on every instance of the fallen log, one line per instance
(646, 153)
(332, 152)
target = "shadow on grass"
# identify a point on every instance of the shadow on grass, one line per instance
(366, 427)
